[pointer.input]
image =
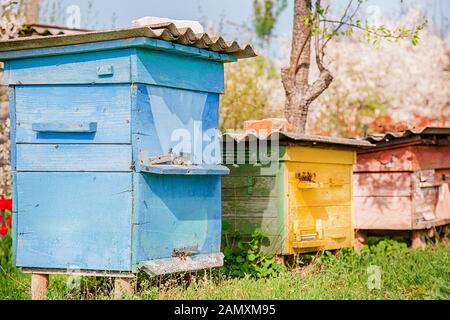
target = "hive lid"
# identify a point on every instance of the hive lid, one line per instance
(166, 31)
(391, 136)
(293, 138)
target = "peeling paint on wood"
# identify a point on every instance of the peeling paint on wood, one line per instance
(397, 186)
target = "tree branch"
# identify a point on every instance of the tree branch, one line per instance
(366, 30)
(317, 47)
(319, 86)
(343, 18)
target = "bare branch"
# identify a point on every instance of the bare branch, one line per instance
(319, 86)
(318, 48)
(343, 18)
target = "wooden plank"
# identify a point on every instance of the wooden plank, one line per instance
(383, 213)
(81, 273)
(122, 286)
(166, 119)
(253, 170)
(424, 202)
(176, 265)
(70, 157)
(242, 186)
(12, 129)
(250, 206)
(263, 208)
(171, 70)
(331, 226)
(65, 127)
(399, 159)
(106, 105)
(15, 218)
(179, 213)
(184, 170)
(319, 155)
(79, 68)
(431, 157)
(382, 184)
(39, 286)
(331, 184)
(75, 221)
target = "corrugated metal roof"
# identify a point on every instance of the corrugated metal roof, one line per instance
(44, 30)
(297, 138)
(427, 131)
(164, 31)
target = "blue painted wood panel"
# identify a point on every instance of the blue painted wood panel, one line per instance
(134, 65)
(12, 120)
(14, 215)
(70, 69)
(73, 157)
(174, 70)
(182, 120)
(108, 106)
(176, 212)
(75, 220)
(185, 170)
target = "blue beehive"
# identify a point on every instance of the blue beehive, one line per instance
(114, 149)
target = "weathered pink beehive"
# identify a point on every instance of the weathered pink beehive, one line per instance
(402, 184)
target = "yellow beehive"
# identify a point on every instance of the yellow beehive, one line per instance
(305, 205)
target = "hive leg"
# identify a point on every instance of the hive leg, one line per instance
(39, 286)
(418, 239)
(360, 240)
(122, 286)
(446, 231)
(280, 259)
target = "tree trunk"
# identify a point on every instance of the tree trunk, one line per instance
(296, 77)
(299, 93)
(32, 9)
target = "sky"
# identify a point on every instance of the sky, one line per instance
(225, 13)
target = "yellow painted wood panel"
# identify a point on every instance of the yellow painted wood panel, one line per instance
(330, 184)
(332, 226)
(319, 155)
(319, 199)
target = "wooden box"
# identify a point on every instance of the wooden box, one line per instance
(302, 199)
(92, 118)
(402, 183)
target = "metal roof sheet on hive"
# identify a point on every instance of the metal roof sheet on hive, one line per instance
(292, 138)
(408, 134)
(43, 30)
(163, 31)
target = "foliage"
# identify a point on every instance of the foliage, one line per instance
(248, 259)
(252, 91)
(266, 14)
(393, 82)
(405, 274)
(12, 18)
(314, 27)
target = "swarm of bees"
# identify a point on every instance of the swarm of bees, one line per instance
(306, 176)
(182, 254)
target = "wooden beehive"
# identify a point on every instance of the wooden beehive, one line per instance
(302, 199)
(402, 183)
(99, 185)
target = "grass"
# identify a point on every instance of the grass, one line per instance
(405, 274)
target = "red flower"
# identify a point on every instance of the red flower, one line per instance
(9, 222)
(3, 230)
